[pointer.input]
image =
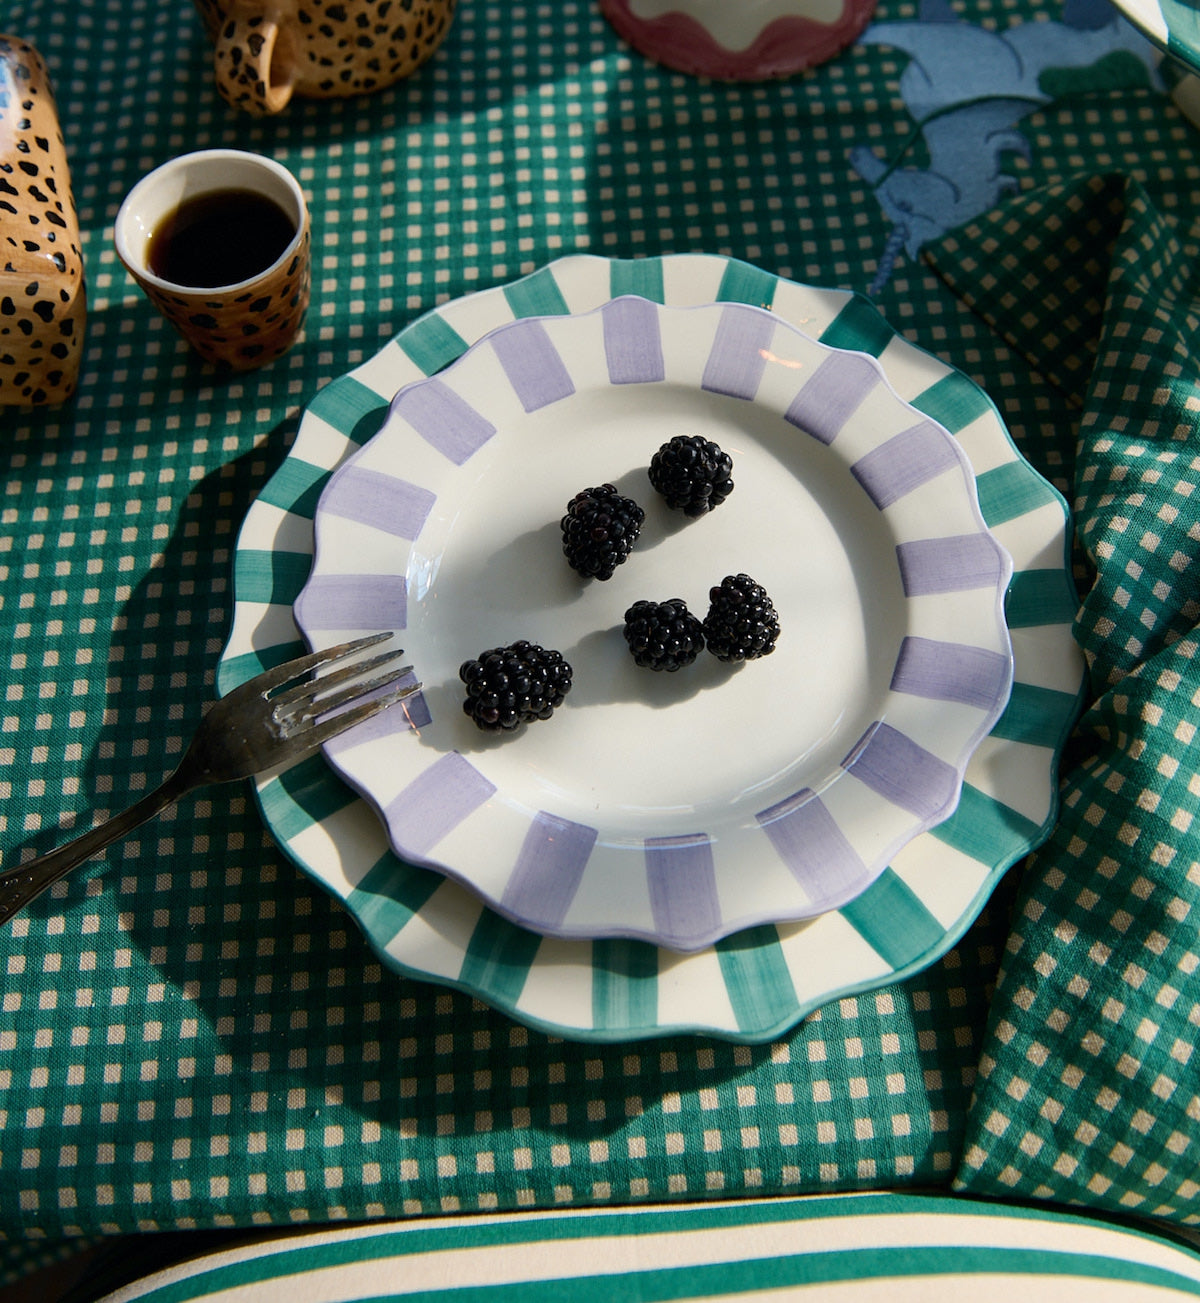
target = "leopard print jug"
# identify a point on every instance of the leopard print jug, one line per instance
(43, 299)
(269, 50)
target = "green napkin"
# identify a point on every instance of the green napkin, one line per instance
(1087, 1087)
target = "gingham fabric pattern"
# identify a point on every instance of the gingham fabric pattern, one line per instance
(1087, 1081)
(194, 1034)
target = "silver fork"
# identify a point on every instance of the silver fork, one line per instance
(268, 722)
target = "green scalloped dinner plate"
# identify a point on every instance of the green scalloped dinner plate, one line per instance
(755, 984)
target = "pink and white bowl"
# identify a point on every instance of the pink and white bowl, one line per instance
(748, 40)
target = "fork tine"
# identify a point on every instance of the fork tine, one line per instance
(309, 739)
(302, 711)
(281, 674)
(300, 694)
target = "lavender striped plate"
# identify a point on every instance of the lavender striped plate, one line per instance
(671, 809)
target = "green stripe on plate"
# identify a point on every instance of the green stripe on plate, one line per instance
(858, 326)
(536, 296)
(295, 487)
(350, 407)
(893, 920)
(981, 824)
(498, 958)
(757, 980)
(1035, 716)
(432, 343)
(235, 671)
(954, 401)
(275, 578)
(641, 276)
(389, 894)
(624, 984)
(1037, 597)
(741, 283)
(1012, 490)
(301, 797)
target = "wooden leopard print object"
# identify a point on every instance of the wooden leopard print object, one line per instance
(43, 298)
(269, 50)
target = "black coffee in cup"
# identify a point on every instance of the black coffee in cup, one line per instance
(219, 241)
(219, 238)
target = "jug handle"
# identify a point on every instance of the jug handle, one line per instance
(255, 61)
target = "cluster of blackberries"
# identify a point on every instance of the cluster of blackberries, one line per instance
(741, 625)
(601, 526)
(522, 682)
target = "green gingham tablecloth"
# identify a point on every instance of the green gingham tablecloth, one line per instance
(1087, 1090)
(192, 1034)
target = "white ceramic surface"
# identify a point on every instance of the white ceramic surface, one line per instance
(674, 809)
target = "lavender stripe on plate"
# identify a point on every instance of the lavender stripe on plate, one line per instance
(412, 712)
(532, 364)
(382, 501)
(808, 840)
(632, 342)
(738, 354)
(683, 886)
(902, 772)
(905, 462)
(548, 870)
(949, 565)
(353, 602)
(949, 671)
(443, 419)
(832, 395)
(435, 802)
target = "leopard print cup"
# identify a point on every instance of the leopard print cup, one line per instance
(245, 324)
(43, 297)
(269, 50)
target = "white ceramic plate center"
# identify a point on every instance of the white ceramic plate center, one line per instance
(485, 570)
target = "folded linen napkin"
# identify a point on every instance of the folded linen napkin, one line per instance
(1088, 1088)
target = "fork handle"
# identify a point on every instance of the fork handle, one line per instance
(20, 884)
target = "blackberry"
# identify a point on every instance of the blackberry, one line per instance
(692, 474)
(514, 685)
(599, 530)
(663, 635)
(741, 624)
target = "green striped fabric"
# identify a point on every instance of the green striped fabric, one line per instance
(899, 1247)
